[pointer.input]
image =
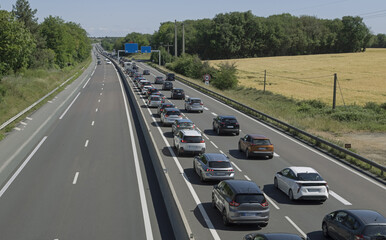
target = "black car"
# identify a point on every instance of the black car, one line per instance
(177, 93)
(146, 72)
(170, 77)
(167, 86)
(354, 224)
(226, 124)
(272, 236)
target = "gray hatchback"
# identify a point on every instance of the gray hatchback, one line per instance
(213, 166)
(240, 201)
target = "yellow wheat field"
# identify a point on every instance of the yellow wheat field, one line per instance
(361, 76)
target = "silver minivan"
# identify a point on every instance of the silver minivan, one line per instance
(169, 115)
(240, 201)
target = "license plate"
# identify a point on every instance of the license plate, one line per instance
(178, 93)
(229, 126)
(248, 214)
(313, 190)
(220, 174)
(262, 148)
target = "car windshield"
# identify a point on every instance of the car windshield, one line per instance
(375, 230)
(250, 198)
(185, 124)
(173, 113)
(219, 164)
(309, 177)
(261, 142)
(193, 139)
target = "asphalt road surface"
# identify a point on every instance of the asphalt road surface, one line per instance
(349, 189)
(88, 176)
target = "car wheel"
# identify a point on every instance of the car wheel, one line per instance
(202, 177)
(179, 152)
(218, 131)
(213, 202)
(291, 195)
(240, 148)
(214, 129)
(247, 153)
(194, 167)
(263, 224)
(237, 133)
(275, 183)
(325, 230)
(225, 218)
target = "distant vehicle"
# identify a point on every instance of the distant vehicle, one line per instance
(301, 183)
(154, 101)
(144, 88)
(189, 141)
(163, 98)
(354, 224)
(99, 62)
(177, 93)
(167, 86)
(146, 72)
(240, 201)
(213, 166)
(151, 91)
(108, 62)
(273, 236)
(226, 124)
(182, 124)
(158, 80)
(194, 105)
(256, 145)
(170, 77)
(163, 106)
(169, 115)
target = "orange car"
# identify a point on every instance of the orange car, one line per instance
(256, 145)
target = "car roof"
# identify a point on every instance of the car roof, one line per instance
(171, 109)
(188, 132)
(184, 120)
(367, 216)
(215, 157)
(243, 186)
(302, 170)
(194, 98)
(227, 116)
(257, 136)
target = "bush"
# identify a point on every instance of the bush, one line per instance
(225, 77)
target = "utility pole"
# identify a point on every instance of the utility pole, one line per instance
(334, 95)
(265, 78)
(183, 38)
(175, 38)
(168, 45)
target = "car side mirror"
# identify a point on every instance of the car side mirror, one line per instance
(242, 139)
(279, 173)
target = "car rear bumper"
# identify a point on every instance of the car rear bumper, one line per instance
(219, 178)
(261, 154)
(260, 218)
(229, 130)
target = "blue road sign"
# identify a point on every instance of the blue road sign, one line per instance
(146, 49)
(131, 47)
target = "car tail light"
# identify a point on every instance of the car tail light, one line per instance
(231, 170)
(202, 141)
(180, 115)
(359, 237)
(264, 204)
(234, 204)
(237, 123)
(183, 141)
(209, 170)
(201, 103)
(166, 115)
(178, 125)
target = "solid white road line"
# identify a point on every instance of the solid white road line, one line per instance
(75, 178)
(142, 195)
(222, 152)
(213, 144)
(86, 143)
(64, 113)
(237, 167)
(86, 82)
(271, 201)
(247, 177)
(205, 136)
(340, 199)
(6, 186)
(296, 227)
(92, 123)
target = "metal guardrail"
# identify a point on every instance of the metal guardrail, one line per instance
(276, 122)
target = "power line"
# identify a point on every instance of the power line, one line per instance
(320, 5)
(370, 13)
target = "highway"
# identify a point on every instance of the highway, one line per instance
(83, 172)
(348, 188)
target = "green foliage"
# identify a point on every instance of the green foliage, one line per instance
(165, 56)
(26, 15)
(225, 77)
(379, 41)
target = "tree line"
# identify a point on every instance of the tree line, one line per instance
(243, 35)
(24, 43)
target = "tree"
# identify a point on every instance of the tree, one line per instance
(25, 14)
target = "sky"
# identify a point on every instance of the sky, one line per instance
(117, 18)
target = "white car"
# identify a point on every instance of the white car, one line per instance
(189, 141)
(302, 183)
(145, 88)
(154, 101)
(108, 62)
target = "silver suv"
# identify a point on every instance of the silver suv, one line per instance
(189, 141)
(213, 166)
(240, 201)
(194, 104)
(169, 115)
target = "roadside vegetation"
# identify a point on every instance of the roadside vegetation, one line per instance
(36, 58)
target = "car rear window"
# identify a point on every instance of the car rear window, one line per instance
(185, 124)
(250, 198)
(261, 142)
(193, 139)
(220, 164)
(155, 98)
(168, 106)
(309, 177)
(375, 230)
(173, 113)
(229, 120)
(178, 90)
(196, 101)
